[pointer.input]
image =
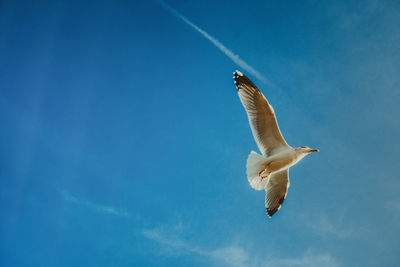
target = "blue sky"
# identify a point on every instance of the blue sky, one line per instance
(123, 141)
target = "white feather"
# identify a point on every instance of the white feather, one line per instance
(255, 164)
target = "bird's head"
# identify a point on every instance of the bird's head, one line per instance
(306, 149)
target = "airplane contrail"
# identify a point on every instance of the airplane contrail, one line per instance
(235, 58)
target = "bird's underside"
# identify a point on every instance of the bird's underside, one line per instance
(269, 140)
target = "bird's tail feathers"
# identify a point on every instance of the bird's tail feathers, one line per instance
(255, 164)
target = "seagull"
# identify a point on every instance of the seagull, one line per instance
(269, 171)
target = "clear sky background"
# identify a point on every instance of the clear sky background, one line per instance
(123, 141)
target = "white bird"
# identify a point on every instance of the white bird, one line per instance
(269, 171)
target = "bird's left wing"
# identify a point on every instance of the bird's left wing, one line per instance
(276, 191)
(261, 116)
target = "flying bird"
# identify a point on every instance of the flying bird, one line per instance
(269, 171)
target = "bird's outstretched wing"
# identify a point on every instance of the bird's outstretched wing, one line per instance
(261, 116)
(276, 191)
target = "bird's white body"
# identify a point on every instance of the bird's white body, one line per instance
(284, 159)
(260, 168)
(269, 171)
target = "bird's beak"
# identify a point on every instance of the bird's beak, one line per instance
(314, 150)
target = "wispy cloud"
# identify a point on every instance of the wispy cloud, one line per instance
(229, 53)
(393, 208)
(309, 259)
(232, 254)
(393, 205)
(93, 206)
(332, 227)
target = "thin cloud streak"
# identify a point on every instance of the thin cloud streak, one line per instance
(93, 206)
(229, 53)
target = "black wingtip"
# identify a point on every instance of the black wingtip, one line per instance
(241, 80)
(271, 212)
(236, 78)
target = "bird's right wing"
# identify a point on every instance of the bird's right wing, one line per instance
(276, 191)
(261, 116)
